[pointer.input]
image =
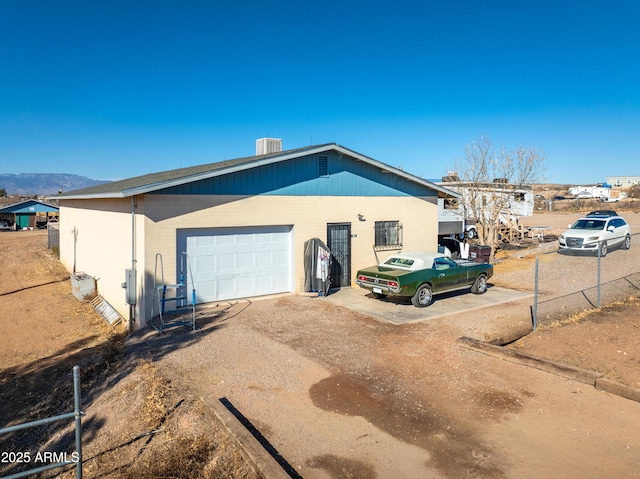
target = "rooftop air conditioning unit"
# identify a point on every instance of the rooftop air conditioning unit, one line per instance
(265, 146)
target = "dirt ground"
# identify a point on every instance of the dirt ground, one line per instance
(136, 423)
(336, 393)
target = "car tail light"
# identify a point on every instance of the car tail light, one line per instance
(392, 284)
(362, 278)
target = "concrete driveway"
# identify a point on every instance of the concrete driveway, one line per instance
(401, 311)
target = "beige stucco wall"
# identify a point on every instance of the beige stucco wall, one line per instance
(95, 236)
(104, 237)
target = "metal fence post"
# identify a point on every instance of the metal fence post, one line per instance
(535, 297)
(599, 257)
(78, 419)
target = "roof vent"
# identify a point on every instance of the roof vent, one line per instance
(265, 146)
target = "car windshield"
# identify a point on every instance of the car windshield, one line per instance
(395, 261)
(588, 224)
(444, 263)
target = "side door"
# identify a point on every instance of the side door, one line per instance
(446, 274)
(615, 237)
(339, 243)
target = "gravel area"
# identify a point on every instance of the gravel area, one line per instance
(568, 283)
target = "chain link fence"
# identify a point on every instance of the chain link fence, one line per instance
(597, 283)
(53, 239)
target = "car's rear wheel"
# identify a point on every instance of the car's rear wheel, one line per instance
(603, 249)
(480, 285)
(422, 296)
(627, 242)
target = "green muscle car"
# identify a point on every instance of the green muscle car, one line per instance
(421, 275)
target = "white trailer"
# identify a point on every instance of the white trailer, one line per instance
(598, 192)
(513, 202)
(452, 221)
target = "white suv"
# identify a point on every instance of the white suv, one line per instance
(603, 229)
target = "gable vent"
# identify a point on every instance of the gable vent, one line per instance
(323, 165)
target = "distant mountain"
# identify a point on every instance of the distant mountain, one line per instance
(44, 184)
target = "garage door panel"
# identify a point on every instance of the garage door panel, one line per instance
(280, 256)
(201, 242)
(245, 260)
(265, 283)
(226, 262)
(204, 264)
(245, 239)
(226, 290)
(281, 280)
(225, 240)
(239, 262)
(207, 288)
(264, 259)
(266, 239)
(246, 286)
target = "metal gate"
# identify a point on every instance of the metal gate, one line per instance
(339, 242)
(57, 459)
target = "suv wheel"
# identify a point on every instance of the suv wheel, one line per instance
(603, 249)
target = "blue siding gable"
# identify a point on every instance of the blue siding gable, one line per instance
(341, 175)
(29, 207)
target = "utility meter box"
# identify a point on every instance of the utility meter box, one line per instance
(130, 286)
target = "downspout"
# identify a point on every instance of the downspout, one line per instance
(132, 307)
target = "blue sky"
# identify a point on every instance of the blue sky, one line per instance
(115, 89)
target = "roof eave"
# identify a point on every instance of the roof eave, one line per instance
(96, 196)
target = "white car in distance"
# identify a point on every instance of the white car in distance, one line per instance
(598, 231)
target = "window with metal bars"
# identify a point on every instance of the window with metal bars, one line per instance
(388, 235)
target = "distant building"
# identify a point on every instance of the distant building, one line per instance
(598, 191)
(623, 181)
(29, 214)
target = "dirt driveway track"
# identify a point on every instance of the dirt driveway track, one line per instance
(342, 395)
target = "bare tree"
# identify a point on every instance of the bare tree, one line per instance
(496, 183)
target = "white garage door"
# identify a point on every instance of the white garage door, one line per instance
(229, 263)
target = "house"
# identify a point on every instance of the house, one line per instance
(29, 214)
(237, 228)
(623, 181)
